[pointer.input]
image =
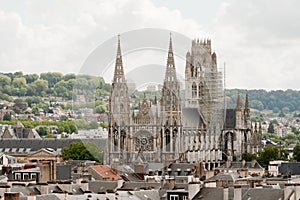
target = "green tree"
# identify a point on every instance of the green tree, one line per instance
(30, 78)
(69, 77)
(295, 130)
(4, 80)
(49, 135)
(19, 86)
(248, 157)
(270, 153)
(83, 151)
(18, 74)
(43, 130)
(61, 90)
(38, 87)
(7, 117)
(51, 77)
(281, 114)
(33, 100)
(296, 152)
(73, 128)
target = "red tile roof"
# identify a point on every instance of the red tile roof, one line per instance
(106, 172)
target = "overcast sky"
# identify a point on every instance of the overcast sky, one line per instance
(259, 40)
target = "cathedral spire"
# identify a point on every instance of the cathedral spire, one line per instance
(119, 71)
(238, 103)
(170, 75)
(170, 62)
(247, 102)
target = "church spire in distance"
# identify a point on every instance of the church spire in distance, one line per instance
(239, 103)
(170, 75)
(119, 71)
(170, 62)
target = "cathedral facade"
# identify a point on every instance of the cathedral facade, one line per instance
(194, 128)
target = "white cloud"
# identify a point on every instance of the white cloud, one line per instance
(58, 35)
(259, 40)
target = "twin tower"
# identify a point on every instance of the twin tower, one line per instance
(173, 128)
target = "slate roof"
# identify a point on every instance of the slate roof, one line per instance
(18, 131)
(209, 193)
(230, 118)
(231, 176)
(102, 186)
(138, 185)
(47, 197)
(239, 165)
(212, 193)
(184, 167)
(292, 168)
(147, 194)
(155, 166)
(34, 144)
(191, 118)
(262, 193)
(25, 191)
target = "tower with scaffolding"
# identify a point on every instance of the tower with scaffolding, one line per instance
(204, 100)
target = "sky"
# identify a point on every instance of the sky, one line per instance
(259, 41)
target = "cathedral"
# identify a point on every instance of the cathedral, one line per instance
(192, 128)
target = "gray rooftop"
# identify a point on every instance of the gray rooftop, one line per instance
(34, 144)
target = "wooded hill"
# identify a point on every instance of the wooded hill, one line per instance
(60, 85)
(279, 101)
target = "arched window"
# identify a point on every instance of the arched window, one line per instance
(174, 99)
(168, 98)
(201, 91)
(192, 71)
(194, 90)
(174, 138)
(123, 136)
(168, 139)
(121, 107)
(116, 140)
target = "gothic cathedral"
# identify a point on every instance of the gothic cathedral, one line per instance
(195, 128)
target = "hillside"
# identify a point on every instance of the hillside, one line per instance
(54, 84)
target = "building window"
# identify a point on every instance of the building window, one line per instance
(194, 90)
(168, 139)
(17, 176)
(174, 197)
(25, 176)
(33, 176)
(168, 97)
(116, 138)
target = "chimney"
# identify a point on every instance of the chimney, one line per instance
(225, 193)
(162, 183)
(228, 163)
(172, 184)
(201, 170)
(253, 162)
(243, 163)
(237, 192)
